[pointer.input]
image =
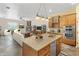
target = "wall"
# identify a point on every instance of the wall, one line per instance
(40, 21)
(4, 22)
(77, 25)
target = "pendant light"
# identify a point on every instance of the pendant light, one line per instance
(39, 14)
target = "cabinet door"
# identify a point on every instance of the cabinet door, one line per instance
(50, 23)
(71, 42)
(44, 51)
(28, 51)
(67, 20)
(58, 46)
(62, 21)
(72, 19)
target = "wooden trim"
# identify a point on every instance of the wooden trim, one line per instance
(75, 31)
(69, 14)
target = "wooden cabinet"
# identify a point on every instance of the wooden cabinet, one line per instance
(66, 20)
(50, 22)
(71, 42)
(58, 46)
(69, 20)
(63, 21)
(45, 51)
(54, 22)
(28, 51)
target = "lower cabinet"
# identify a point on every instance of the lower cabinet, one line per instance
(71, 42)
(28, 51)
(58, 46)
(44, 51)
(52, 49)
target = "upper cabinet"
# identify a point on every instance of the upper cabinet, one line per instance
(50, 22)
(54, 22)
(63, 21)
(71, 19)
(66, 20)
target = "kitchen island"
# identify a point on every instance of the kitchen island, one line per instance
(40, 47)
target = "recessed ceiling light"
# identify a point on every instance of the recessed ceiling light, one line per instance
(50, 10)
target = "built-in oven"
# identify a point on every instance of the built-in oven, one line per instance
(69, 32)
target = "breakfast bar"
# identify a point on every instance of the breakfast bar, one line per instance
(40, 47)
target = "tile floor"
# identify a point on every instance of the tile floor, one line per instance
(8, 47)
(69, 51)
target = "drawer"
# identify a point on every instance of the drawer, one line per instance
(45, 51)
(46, 54)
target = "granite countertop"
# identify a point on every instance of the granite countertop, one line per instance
(38, 44)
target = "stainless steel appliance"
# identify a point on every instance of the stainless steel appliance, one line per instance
(43, 28)
(69, 32)
(28, 27)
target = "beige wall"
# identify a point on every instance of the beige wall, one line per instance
(5, 21)
(39, 22)
(77, 24)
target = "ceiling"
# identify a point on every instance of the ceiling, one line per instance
(29, 10)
